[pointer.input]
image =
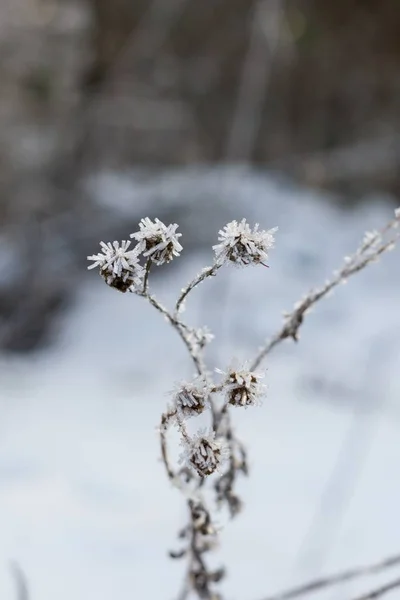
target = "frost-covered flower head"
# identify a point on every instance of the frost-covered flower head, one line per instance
(191, 398)
(118, 266)
(243, 387)
(204, 454)
(157, 241)
(243, 246)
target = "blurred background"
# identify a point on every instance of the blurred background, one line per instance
(285, 112)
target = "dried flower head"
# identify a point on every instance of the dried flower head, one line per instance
(243, 246)
(157, 241)
(204, 454)
(191, 398)
(118, 266)
(243, 387)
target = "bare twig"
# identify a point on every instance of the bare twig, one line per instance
(324, 582)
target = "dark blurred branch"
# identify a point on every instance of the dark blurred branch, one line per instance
(21, 585)
(325, 582)
(257, 67)
(381, 591)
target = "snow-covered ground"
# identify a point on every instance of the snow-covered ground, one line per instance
(85, 507)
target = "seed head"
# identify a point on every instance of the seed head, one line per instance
(157, 241)
(243, 387)
(118, 266)
(242, 246)
(191, 398)
(204, 454)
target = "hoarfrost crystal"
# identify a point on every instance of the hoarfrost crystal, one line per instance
(118, 266)
(157, 241)
(199, 338)
(204, 454)
(243, 246)
(243, 387)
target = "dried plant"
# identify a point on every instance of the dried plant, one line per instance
(213, 459)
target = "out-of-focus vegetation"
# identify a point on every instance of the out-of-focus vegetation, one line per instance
(305, 87)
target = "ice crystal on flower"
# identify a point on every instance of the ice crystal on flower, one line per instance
(118, 266)
(191, 398)
(204, 454)
(157, 241)
(243, 387)
(243, 246)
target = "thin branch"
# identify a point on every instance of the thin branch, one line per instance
(179, 327)
(146, 276)
(165, 422)
(381, 591)
(369, 251)
(206, 272)
(343, 577)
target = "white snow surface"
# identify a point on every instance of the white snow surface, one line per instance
(85, 507)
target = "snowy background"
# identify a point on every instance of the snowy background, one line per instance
(85, 507)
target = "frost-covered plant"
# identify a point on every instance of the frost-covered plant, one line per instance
(242, 246)
(118, 266)
(243, 387)
(157, 241)
(191, 398)
(204, 453)
(214, 456)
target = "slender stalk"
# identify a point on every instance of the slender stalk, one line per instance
(317, 585)
(206, 272)
(146, 276)
(165, 422)
(380, 591)
(369, 251)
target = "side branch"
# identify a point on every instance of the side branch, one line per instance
(369, 251)
(344, 577)
(206, 272)
(380, 591)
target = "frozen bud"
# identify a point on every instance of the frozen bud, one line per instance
(243, 387)
(118, 266)
(191, 398)
(241, 245)
(204, 454)
(157, 241)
